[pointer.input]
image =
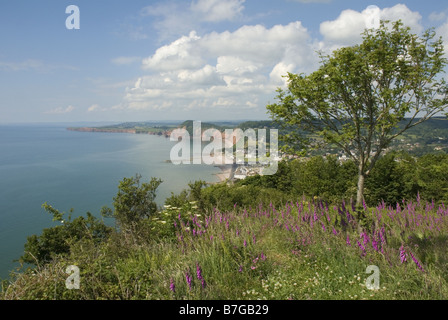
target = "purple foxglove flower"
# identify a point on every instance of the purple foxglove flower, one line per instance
(348, 241)
(361, 246)
(172, 285)
(364, 205)
(245, 243)
(188, 278)
(375, 244)
(402, 254)
(416, 262)
(240, 269)
(198, 272)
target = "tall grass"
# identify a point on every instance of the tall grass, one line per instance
(305, 249)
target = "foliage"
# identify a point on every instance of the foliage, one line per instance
(134, 201)
(360, 94)
(301, 250)
(57, 240)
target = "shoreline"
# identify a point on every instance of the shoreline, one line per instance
(224, 174)
(227, 172)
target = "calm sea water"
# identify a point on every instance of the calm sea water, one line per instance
(80, 170)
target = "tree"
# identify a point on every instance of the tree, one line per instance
(360, 94)
(134, 201)
(58, 240)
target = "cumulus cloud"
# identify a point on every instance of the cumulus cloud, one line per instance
(223, 70)
(180, 54)
(61, 110)
(240, 70)
(347, 28)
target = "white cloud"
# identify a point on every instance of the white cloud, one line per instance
(437, 16)
(442, 31)
(96, 107)
(409, 18)
(224, 70)
(345, 29)
(348, 27)
(119, 61)
(180, 54)
(61, 110)
(218, 10)
(240, 70)
(171, 19)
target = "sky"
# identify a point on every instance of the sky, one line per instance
(207, 60)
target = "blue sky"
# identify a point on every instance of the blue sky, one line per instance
(173, 60)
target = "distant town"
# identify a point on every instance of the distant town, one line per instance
(429, 137)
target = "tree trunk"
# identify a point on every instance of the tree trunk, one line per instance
(360, 191)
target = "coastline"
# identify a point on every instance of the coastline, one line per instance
(227, 172)
(224, 174)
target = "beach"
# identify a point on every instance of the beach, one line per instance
(225, 173)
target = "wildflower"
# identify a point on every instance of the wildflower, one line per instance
(199, 272)
(348, 241)
(361, 246)
(203, 284)
(416, 261)
(375, 244)
(172, 286)
(189, 279)
(364, 204)
(240, 269)
(245, 243)
(402, 254)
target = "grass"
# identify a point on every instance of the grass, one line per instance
(298, 251)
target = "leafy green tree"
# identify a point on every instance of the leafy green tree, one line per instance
(134, 201)
(432, 177)
(386, 182)
(57, 240)
(359, 95)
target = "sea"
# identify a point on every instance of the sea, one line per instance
(75, 170)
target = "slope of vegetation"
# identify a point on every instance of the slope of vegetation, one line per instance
(259, 239)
